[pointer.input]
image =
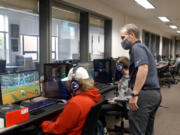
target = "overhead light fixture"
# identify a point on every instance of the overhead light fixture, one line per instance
(178, 31)
(163, 19)
(145, 3)
(173, 26)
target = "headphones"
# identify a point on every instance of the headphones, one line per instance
(119, 67)
(74, 83)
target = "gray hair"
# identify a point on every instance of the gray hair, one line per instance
(131, 28)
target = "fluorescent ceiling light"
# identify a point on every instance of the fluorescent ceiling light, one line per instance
(164, 19)
(145, 3)
(173, 26)
(178, 31)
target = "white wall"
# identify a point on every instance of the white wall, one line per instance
(118, 20)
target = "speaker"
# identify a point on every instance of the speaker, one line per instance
(14, 30)
(14, 45)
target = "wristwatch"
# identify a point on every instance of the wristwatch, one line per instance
(134, 95)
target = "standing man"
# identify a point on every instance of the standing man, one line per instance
(146, 97)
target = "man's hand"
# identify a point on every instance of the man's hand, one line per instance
(133, 103)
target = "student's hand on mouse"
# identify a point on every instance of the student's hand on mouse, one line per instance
(133, 103)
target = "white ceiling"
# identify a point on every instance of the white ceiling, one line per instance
(168, 8)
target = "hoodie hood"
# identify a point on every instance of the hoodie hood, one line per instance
(93, 94)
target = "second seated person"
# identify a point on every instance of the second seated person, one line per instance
(71, 120)
(124, 93)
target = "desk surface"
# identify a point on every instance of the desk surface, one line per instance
(32, 118)
(48, 111)
(111, 87)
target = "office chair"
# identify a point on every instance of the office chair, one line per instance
(90, 126)
(121, 113)
(166, 75)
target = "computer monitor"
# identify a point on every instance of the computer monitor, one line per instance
(104, 70)
(2, 66)
(55, 70)
(88, 66)
(53, 86)
(20, 86)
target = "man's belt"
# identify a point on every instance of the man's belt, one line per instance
(150, 88)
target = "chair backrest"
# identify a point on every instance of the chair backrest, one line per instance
(90, 125)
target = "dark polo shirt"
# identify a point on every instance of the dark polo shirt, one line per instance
(140, 55)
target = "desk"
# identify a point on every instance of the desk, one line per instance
(109, 92)
(56, 108)
(34, 118)
(110, 88)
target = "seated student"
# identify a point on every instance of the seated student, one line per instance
(124, 93)
(71, 120)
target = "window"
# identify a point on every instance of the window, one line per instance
(178, 47)
(96, 38)
(157, 45)
(2, 46)
(18, 25)
(3, 23)
(3, 35)
(166, 47)
(152, 41)
(30, 47)
(65, 33)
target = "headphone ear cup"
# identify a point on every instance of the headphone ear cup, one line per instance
(75, 85)
(119, 67)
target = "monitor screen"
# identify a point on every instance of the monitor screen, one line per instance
(54, 87)
(55, 70)
(88, 66)
(2, 66)
(20, 86)
(103, 71)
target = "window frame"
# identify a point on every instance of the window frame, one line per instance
(5, 46)
(56, 45)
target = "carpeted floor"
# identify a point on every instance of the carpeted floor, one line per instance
(167, 120)
(168, 116)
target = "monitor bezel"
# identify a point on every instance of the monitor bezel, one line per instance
(1, 99)
(54, 65)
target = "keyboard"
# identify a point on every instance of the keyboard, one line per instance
(39, 105)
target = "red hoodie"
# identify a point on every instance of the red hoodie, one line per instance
(72, 118)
